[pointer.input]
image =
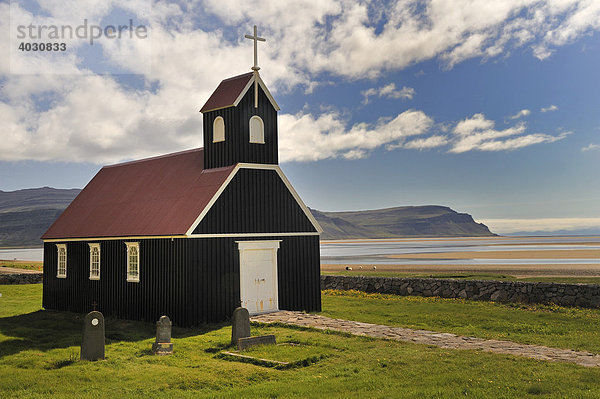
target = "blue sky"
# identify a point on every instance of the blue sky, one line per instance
(489, 108)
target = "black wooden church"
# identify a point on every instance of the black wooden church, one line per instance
(193, 234)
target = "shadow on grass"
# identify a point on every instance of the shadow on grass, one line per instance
(44, 330)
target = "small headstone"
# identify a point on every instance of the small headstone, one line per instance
(163, 345)
(92, 344)
(240, 324)
(248, 342)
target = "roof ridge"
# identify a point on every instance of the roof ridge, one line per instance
(238, 76)
(154, 157)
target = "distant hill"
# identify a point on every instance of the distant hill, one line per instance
(26, 214)
(405, 221)
(592, 231)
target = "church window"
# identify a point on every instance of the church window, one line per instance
(218, 130)
(257, 130)
(61, 271)
(133, 262)
(94, 261)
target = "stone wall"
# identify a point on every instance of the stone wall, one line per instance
(584, 295)
(20, 278)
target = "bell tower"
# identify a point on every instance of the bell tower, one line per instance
(240, 120)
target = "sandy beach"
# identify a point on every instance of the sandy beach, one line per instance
(517, 254)
(504, 251)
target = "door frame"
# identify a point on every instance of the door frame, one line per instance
(243, 248)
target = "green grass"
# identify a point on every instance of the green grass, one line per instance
(549, 325)
(39, 351)
(378, 273)
(22, 265)
(463, 276)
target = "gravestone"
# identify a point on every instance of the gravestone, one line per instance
(240, 324)
(92, 344)
(163, 345)
(244, 343)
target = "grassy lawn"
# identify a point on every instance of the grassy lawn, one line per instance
(464, 276)
(549, 325)
(39, 351)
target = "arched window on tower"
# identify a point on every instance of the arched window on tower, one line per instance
(218, 129)
(257, 130)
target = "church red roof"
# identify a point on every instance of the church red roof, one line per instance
(150, 197)
(227, 92)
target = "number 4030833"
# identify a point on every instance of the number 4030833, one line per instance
(43, 46)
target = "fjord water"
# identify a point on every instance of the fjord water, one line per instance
(377, 251)
(32, 254)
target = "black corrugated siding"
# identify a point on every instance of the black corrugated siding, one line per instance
(193, 281)
(237, 147)
(255, 201)
(214, 275)
(161, 290)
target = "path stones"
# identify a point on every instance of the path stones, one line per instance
(92, 344)
(443, 340)
(240, 325)
(163, 345)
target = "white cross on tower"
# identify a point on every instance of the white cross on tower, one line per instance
(256, 40)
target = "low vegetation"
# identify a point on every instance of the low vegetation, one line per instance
(27, 265)
(462, 276)
(548, 325)
(39, 353)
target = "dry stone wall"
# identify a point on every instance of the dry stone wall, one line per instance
(20, 278)
(583, 295)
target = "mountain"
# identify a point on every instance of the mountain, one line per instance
(26, 214)
(592, 231)
(405, 221)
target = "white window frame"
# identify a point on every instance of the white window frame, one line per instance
(133, 277)
(260, 137)
(218, 134)
(61, 273)
(93, 247)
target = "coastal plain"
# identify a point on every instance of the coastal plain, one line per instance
(519, 258)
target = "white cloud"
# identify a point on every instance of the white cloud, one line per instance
(339, 36)
(80, 116)
(427, 143)
(549, 109)
(478, 134)
(388, 91)
(591, 147)
(304, 137)
(507, 226)
(522, 113)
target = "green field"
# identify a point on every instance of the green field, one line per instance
(463, 276)
(22, 265)
(39, 354)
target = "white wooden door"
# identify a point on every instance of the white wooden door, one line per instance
(258, 276)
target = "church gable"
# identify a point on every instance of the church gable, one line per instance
(256, 201)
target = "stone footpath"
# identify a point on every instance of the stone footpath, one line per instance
(443, 340)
